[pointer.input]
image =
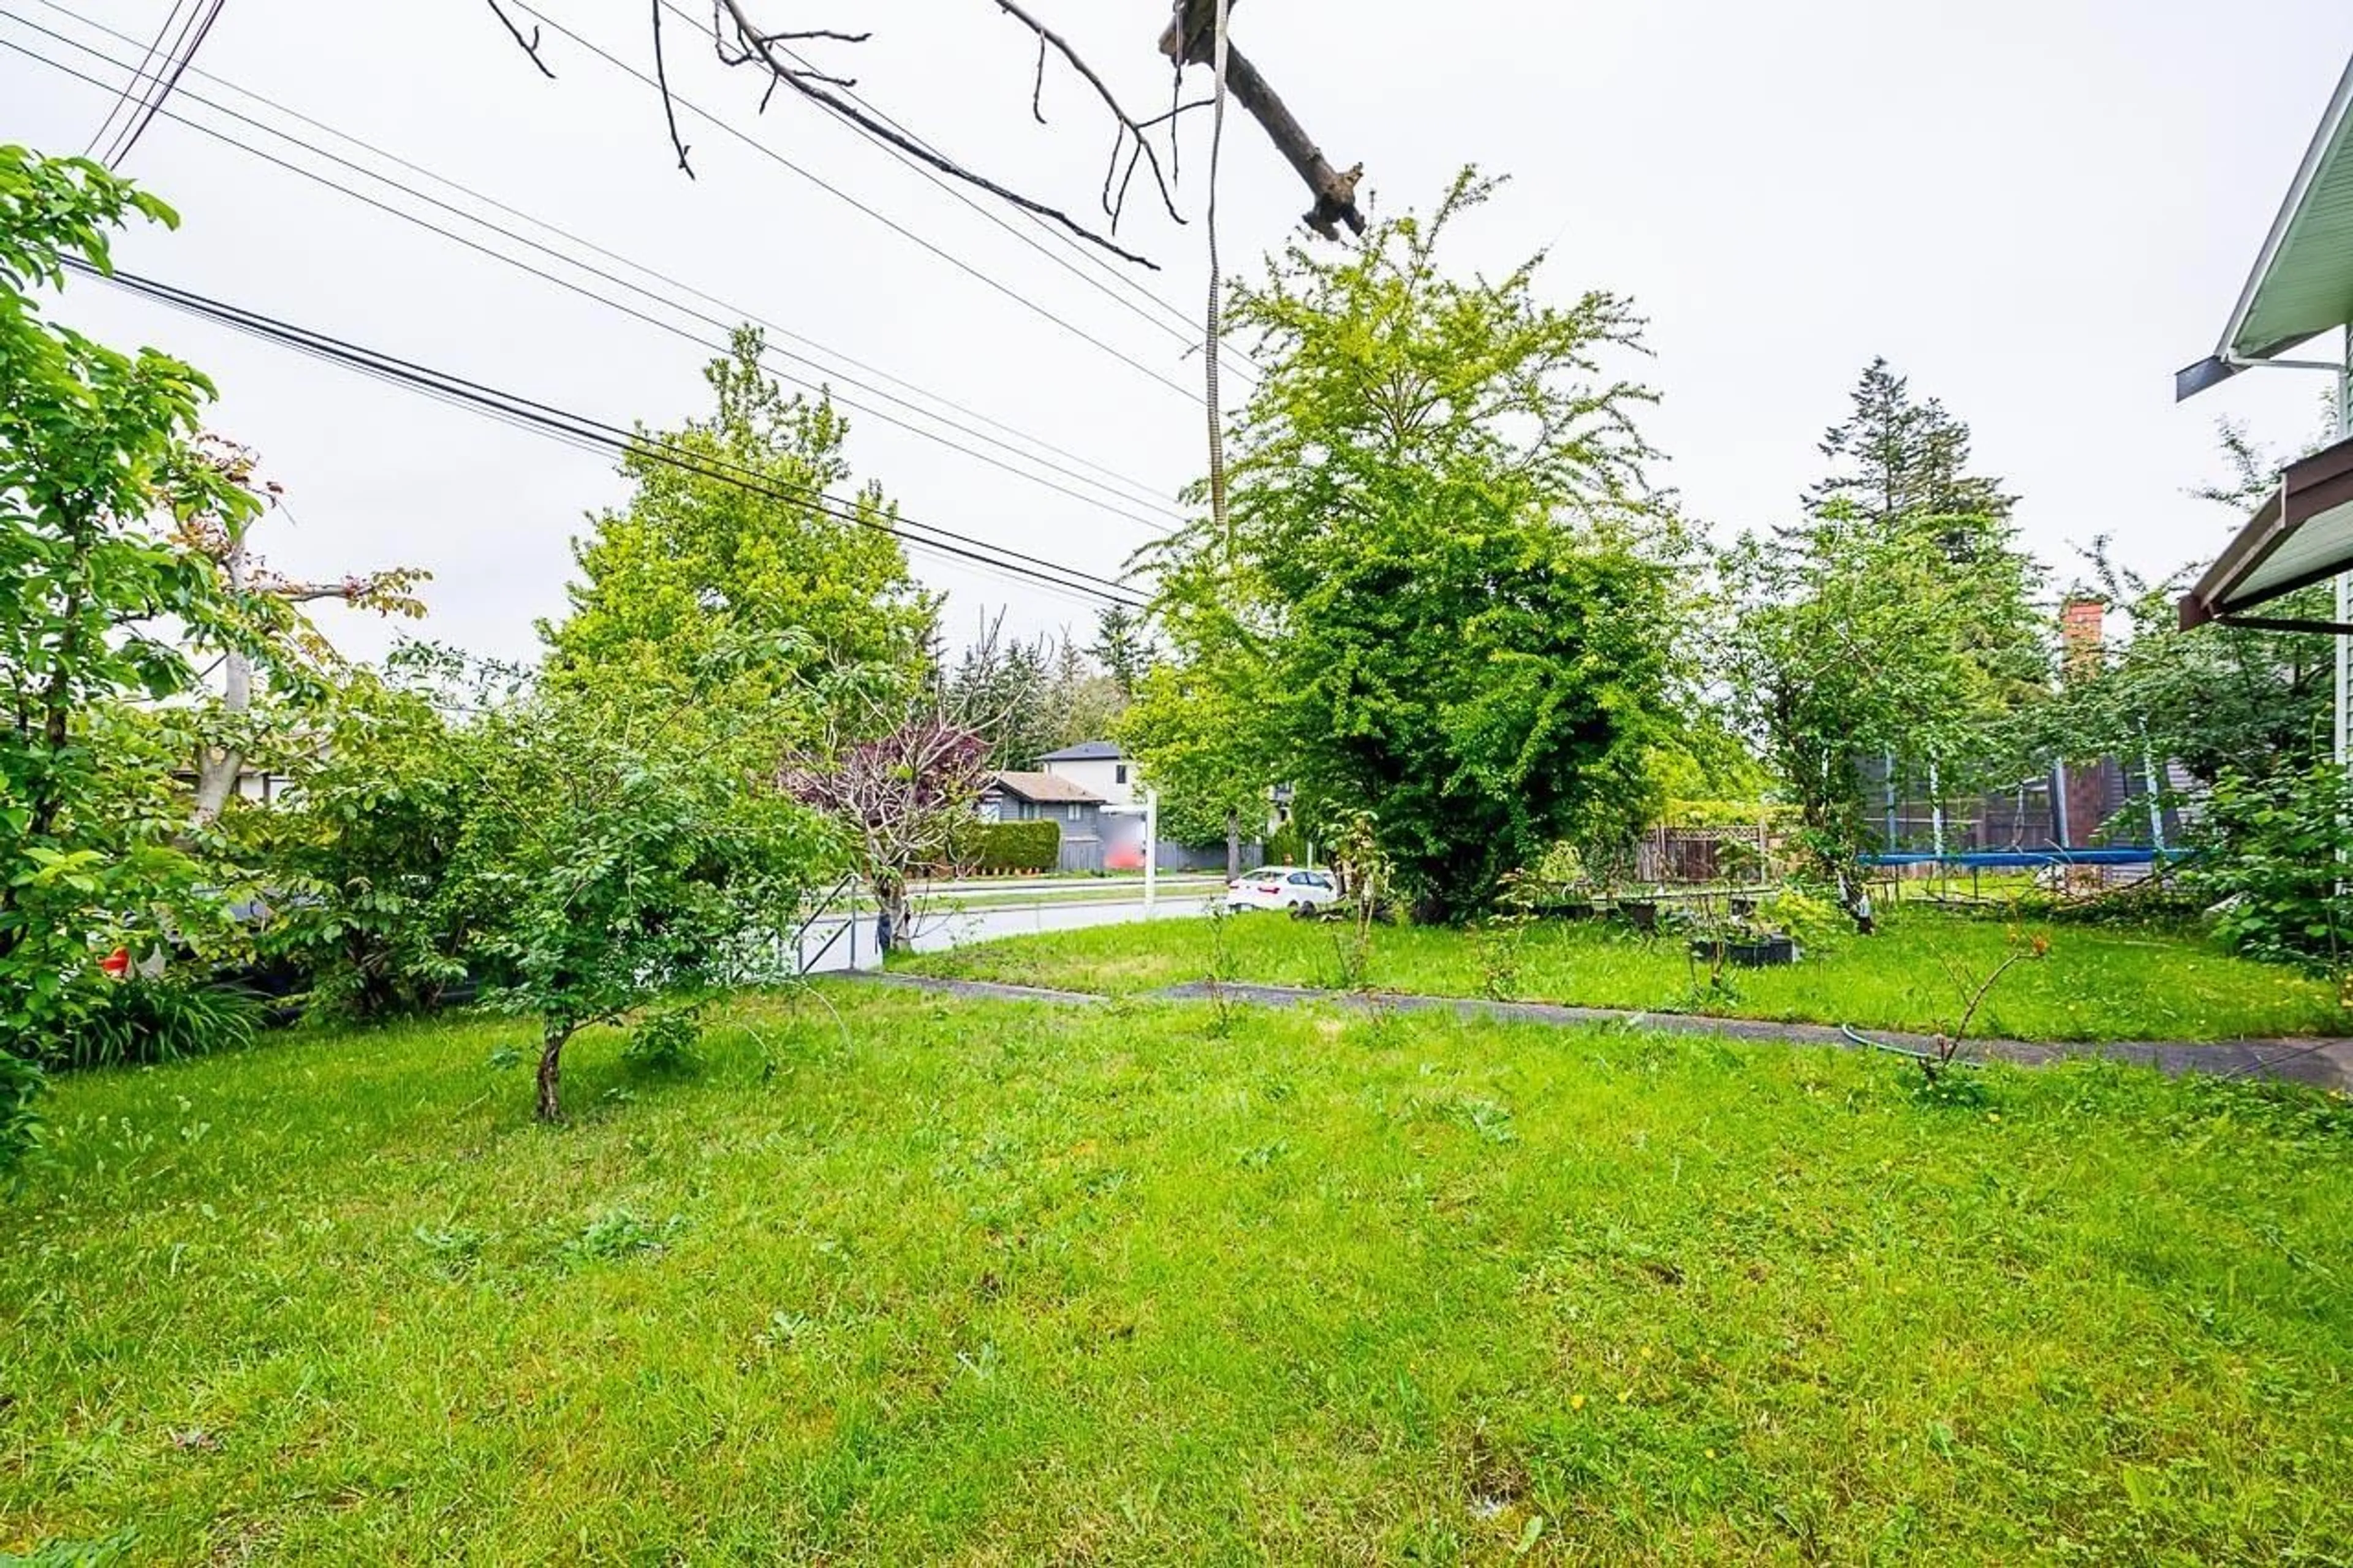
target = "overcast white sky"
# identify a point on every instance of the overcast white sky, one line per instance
(2037, 211)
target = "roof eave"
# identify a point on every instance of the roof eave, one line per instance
(2231, 356)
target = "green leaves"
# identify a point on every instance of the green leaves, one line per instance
(1889, 623)
(1440, 597)
(701, 583)
(97, 475)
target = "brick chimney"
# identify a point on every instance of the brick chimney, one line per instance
(2080, 635)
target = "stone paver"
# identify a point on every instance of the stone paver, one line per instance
(980, 990)
(2328, 1064)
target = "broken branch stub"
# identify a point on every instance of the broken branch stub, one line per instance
(1190, 38)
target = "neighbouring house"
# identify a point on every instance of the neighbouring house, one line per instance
(1027, 798)
(1106, 771)
(1097, 765)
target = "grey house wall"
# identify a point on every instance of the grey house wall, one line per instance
(1172, 857)
(1083, 846)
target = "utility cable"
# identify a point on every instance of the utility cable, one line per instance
(719, 323)
(587, 432)
(132, 87)
(183, 51)
(736, 311)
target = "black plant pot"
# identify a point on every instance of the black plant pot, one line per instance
(1642, 914)
(1754, 953)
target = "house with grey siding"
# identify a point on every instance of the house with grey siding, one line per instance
(1015, 797)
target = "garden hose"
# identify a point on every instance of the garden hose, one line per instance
(1906, 1051)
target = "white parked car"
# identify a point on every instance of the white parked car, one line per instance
(1291, 887)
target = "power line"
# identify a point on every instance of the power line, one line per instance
(122, 99)
(184, 49)
(590, 434)
(723, 325)
(1180, 326)
(777, 158)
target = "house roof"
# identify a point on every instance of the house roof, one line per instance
(2303, 534)
(1044, 789)
(1087, 752)
(2302, 284)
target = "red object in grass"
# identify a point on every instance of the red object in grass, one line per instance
(117, 963)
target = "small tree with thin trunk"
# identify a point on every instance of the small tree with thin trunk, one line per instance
(905, 803)
(621, 850)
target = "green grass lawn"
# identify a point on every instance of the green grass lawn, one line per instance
(2097, 983)
(897, 1279)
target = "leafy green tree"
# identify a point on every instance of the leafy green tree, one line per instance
(1863, 638)
(370, 901)
(738, 548)
(1199, 733)
(1897, 620)
(1440, 538)
(1895, 457)
(97, 468)
(623, 851)
(1029, 697)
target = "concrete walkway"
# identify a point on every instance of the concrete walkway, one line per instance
(2325, 1064)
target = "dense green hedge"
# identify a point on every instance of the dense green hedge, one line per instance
(1017, 845)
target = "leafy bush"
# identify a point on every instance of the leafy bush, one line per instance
(141, 1021)
(1287, 846)
(666, 1041)
(369, 855)
(1001, 847)
(2275, 857)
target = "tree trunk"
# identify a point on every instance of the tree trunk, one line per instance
(897, 910)
(551, 1073)
(217, 768)
(1233, 845)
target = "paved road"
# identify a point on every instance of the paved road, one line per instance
(1047, 886)
(941, 928)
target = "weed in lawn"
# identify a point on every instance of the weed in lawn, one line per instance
(620, 1233)
(107, 1553)
(1221, 968)
(455, 1248)
(665, 1041)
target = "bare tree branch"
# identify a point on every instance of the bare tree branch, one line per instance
(753, 45)
(1171, 113)
(529, 46)
(1127, 122)
(662, 80)
(1038, 87)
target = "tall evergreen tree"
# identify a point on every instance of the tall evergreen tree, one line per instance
(1895, 457)
(1123, 646)
(698, 568)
